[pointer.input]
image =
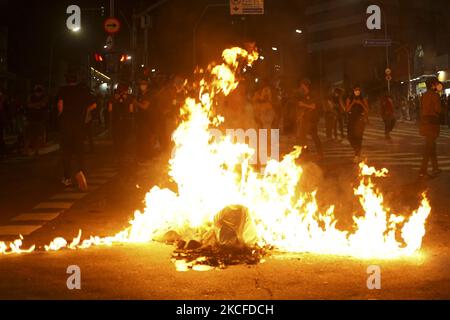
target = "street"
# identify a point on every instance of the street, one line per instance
(34, 203)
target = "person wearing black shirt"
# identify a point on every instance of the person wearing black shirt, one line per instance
(74, 101)
(308, 116)
(338, 105)
(120, 109)
(146, 122)
(357, 108)
(170, 99)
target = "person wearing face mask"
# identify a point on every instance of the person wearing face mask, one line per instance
(308, 117)
(430, 126)
(120, 109)
(146, 125)
(357, 108)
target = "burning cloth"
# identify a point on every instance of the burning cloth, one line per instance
(234, 227)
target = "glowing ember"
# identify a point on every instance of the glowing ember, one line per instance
(212, 174)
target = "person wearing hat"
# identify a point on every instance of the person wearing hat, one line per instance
(308, 116)
(430, 127)
(120, 107)
(74, 102)
(357, 108)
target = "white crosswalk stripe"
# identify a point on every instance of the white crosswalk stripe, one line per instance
(403, 133)
(47, 211)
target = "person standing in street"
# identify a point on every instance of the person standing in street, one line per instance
(121, 108)
(146, 124)
(388, 115)
(170, 100)
(330, 118)
(74, 102)
(357, 108)
(430, 127)
(263, 107)
(339, 108)
(412, 108)
(308, 117)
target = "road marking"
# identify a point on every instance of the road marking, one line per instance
(377, 152)
(400, 133)
(97, 181)
(68, 196)
(422, 143)
(14, 230)
(103, 175)
(445, 168)
(54, 205)
(49, 149)
(36, 217)
(107, 170)
(90, 188)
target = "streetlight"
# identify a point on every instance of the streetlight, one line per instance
(274, 48)
(298, 31)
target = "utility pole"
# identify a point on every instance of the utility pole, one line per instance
(136, 19)
(387, 49)
(197, 23)
(133, 47)
(111, 8)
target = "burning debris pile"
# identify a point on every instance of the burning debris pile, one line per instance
(232, 241)
(230, 212)
(209, 257)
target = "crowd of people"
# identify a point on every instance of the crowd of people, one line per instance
(148, 116)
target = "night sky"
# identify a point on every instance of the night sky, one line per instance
(33, 27)
(35, 24)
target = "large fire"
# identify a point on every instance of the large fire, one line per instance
(212, 174)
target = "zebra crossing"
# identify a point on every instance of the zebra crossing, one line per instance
(32, 220)
(377, 152)
(385, 158)
(374, 131)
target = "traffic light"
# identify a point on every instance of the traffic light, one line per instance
(99, 62)
(102, 11)
(98, 57)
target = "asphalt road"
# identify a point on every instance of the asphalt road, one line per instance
(30, 189)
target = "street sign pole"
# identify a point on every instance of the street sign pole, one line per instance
(196, 25)
(387, 49)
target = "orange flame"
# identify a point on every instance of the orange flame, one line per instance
(212, 174)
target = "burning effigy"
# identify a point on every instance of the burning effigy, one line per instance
(224, 211)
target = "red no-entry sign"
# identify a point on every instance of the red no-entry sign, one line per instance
(112, 25)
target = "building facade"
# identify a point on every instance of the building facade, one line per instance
(418, 32)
